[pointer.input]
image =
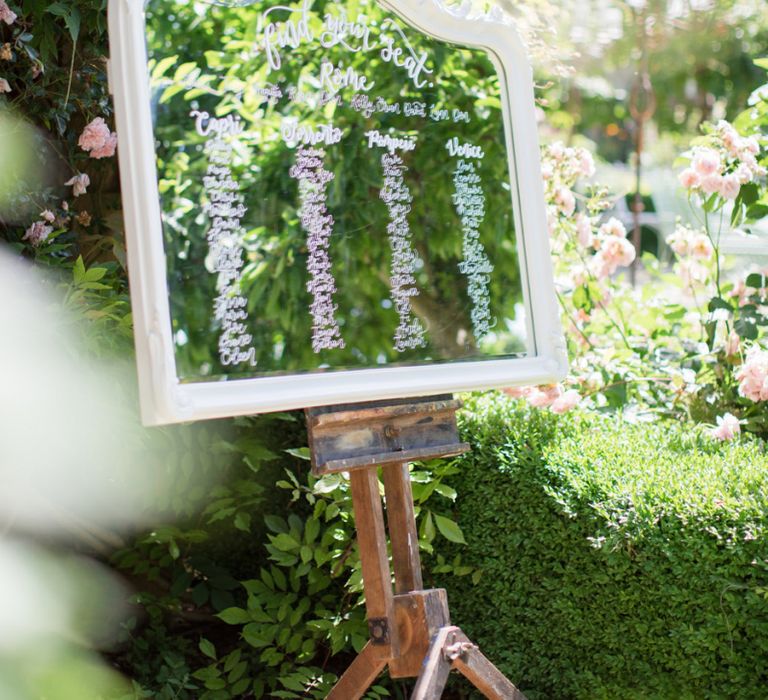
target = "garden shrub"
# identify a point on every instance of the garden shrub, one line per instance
(618, 560)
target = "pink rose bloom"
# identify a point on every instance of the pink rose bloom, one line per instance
(4, 85)
(586, 163)
(98, 139)
(37, 233)
(753, 376)
(614, 253)
(542, 397)
(5, 13)
(584, 231)
(614, 227)
(701, 247)
(750, 145)
(706, 161)
(107, 150)
(743, 174)
(518, 392)
(730, 187)
(565, 201)
(557, 150)
(728, 427)
(712, 183)
(732, 344)
(567, 402)
(689, 179)
(79, 184)
(47, 215)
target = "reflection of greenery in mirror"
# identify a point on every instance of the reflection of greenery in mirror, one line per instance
(400, 98)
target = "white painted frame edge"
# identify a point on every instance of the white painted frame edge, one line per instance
(166, 400)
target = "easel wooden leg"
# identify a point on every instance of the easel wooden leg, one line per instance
(434, 673)
(471, 663)
(377, 578)
(364, 670)
(402, 528)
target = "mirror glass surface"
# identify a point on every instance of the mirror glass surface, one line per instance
(335, 191)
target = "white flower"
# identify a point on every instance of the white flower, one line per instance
(79, 184)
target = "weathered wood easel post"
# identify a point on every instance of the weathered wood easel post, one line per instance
(410, 628)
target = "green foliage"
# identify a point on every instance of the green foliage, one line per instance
(618, 560)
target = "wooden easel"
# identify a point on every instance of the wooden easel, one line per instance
(410, 628)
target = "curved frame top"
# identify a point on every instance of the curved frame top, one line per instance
(164, 399)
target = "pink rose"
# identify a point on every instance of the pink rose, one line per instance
(4, 85)
(98, 139)
(613, 254)
(706, 161)
(47, 215)
(565, 200)
(732, 344)
(541, 397)
(689, 179)
(5, 13)
(753, 376)
(584, 231)
(730, 187)
(557, 151)
(518, 392)
(586, 162)
(614, 227)
(712, 183)
(701, 247)
(750, 145)
(107, 150)
(79, 184)
(567, 402)
(37, 233)
(728, 427)
(743, 173)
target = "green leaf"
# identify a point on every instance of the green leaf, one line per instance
(311, 530)
(757, 281)
(57, 9)
(256, 636)
(72, 21)
(284, 542)
(581, 298)
(234, 616)
(446, 491)
(449, 529)
(719, 303)
(276, 523)
(207, 648)
(300, 452)
(243, 522)
(746, 328)
(78, 270)
(427, 530)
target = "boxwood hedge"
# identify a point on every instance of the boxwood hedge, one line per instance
(620, 561)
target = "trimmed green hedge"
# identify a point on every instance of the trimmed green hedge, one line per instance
(619, 561)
